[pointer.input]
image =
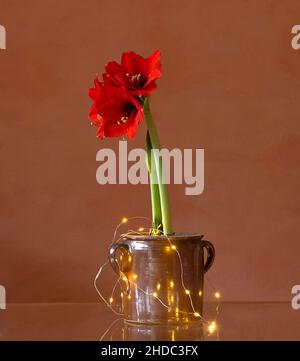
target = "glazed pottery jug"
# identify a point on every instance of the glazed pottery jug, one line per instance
(161, 276)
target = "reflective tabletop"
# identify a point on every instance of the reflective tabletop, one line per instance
(89, 321)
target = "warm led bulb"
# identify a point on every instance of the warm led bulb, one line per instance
(212, 327)
(173, 247)
(124, 278)
(154, 294)
(122, 294)
(129, 297)
(141, 229)
(111, 300)
(197, 314)
(217, 295)
(187, 292)
(171, 284)
(158, 286)
(200, 293)
(124, 220)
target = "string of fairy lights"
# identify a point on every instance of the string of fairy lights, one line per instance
(212, 326)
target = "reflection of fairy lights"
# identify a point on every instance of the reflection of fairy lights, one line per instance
(135, 276)
(212, 326)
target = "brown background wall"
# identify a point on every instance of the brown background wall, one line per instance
(230, 85)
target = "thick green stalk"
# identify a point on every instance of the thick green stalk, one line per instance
(155, 199)
(163, 191)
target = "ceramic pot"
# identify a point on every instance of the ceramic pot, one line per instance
(162, 277)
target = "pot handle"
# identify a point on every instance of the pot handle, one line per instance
(210, 254)
(112, 259)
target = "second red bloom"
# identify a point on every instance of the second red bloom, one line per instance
(115, 112)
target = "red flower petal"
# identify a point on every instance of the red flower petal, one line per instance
(97, 83)
(116, 112)
(94, 116)
(134, 64)
(95, 93)
(115, 75)
(145, 91)
(154, 67)
(154, 63)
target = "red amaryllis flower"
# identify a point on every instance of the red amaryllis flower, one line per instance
(136, 74)
(115, 112)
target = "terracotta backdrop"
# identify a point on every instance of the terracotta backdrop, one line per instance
(230, 85)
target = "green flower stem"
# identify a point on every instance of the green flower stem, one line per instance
(155, 199)
(163, 191)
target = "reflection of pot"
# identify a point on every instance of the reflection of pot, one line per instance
(156, 289)
(142, 332)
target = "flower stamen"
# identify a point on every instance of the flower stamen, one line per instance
(134, 80)
(122, 120)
